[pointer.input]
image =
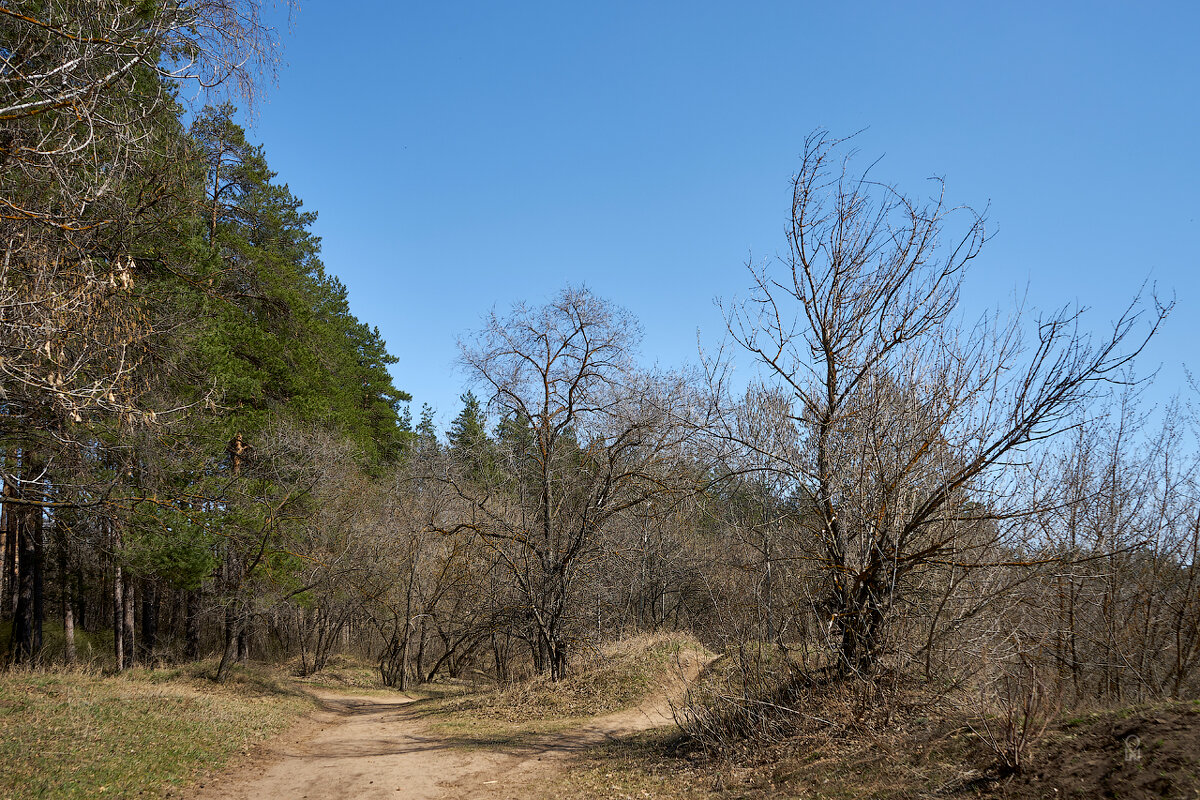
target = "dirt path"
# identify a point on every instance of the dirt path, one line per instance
(372, 747)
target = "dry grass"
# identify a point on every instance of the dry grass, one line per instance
(909, 757)
(75, 734)
(619, 676)
(634, 768)
(344, 672)
(823, 765)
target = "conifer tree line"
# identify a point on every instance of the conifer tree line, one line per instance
(204, 455)
(170, 342)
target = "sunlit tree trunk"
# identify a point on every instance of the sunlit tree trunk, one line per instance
(118, 588)
(127, 621)
(68, 602)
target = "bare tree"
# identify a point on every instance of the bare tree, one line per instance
(426, 594)
(1125, 613)
(585, 436)
(902, 430)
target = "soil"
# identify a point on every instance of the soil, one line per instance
(387, 747)
(371, 747)
(1152, 753)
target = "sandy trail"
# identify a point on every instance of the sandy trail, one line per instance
(373, 747)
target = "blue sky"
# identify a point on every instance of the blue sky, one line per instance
(465, 155)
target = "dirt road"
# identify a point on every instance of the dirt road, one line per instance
(371, 747)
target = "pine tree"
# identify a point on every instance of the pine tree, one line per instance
(427, 440)
(469, 442)
(469, 429)
(281, 340)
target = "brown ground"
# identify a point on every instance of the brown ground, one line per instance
(372, 747)
(391, 747)
(1150, 753)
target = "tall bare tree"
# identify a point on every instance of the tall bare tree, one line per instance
(902, 430)
(585, 436)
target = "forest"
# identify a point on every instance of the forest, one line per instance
(204, 454)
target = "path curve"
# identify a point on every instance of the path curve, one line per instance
(380, 747)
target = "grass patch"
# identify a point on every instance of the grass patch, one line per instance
(617, 677)
(1080, 757)
(93, 649)
(659, 764)
(472, 733)
(344, 672)
(145, 732)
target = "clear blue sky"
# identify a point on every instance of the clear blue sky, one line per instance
(465, 155)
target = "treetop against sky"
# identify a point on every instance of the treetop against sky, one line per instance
(469, 155)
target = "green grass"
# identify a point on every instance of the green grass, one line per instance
(78, 734)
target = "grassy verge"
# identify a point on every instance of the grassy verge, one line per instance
(344, 673)
(145, 732)
(636, 768)
(618, 677)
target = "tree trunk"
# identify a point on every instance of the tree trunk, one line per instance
(69, 653)
(79, 595)
(421, 651)
(8, 572)
(537, 652)
(119, 616)
(68, 604)
(191, 623)
(127, 622)
(402, 673)
(861, 630)
(500, 654)
(243, 643)
(233, 631)
(26, 641)
(149, 618)
(558, 661)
